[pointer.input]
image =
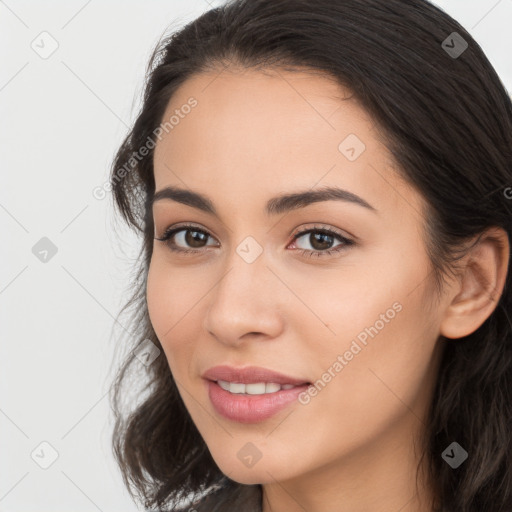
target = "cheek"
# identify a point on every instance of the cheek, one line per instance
(172, 301)
(376, 355)
(384, 391)
(171, 293)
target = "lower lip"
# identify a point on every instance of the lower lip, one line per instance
(251, 408)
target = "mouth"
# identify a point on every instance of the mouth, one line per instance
(251, 394)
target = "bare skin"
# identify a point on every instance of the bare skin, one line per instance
(253, 136)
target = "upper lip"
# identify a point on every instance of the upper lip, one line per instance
(250, 375)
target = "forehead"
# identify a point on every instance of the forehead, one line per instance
(260, 112)
(261, 131)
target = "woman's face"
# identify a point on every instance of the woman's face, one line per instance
(350, 310)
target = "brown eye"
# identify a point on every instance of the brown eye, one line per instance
(321, 239)
(318, 241)
(186, 239)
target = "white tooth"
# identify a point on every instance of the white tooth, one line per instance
(223, 384)
(255, 389)
(272, 387)
(236, 387)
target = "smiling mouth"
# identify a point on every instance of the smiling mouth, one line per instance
(256, 399)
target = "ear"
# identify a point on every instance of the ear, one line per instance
(480, 285)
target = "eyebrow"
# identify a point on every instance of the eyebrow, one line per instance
(274, 206)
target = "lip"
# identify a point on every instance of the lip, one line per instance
(249, 375)
(244, 408)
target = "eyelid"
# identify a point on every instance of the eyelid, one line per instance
(318, 226)
(174, 229)
(183, 226)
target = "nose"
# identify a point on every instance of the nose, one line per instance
(245, 303)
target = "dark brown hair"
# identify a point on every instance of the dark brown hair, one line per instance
(447, 120)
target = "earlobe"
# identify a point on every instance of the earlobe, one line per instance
(480, 285)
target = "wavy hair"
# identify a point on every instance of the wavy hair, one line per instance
(447, 120)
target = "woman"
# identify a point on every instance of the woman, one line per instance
(324, 194)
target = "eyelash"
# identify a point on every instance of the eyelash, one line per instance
(169, 233)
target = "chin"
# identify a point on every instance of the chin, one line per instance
(261, 472)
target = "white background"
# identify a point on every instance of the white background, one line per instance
(62, 118)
